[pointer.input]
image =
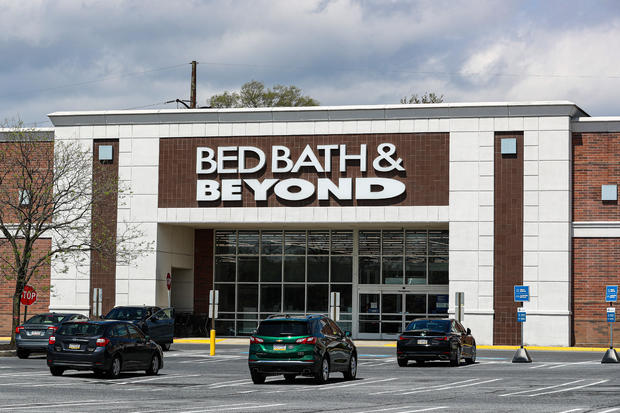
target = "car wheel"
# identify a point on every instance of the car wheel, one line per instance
(153, 366)
(456, 360)
(352, 369)
(22, 353)
(403, 362)
(57, 371)
(115, 368)
(322, 375)
(289, 378)
(166, 346)
(472, 359)
(258, 378)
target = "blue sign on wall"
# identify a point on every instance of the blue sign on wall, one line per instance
(522, 293)
(611, 293)
(521, 315)
(611, 315)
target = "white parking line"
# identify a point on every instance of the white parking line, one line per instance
(571, 410)
(428, 409)
(224, 408)
(569, 389)
(615, 409)
(539, 366)
(175, 376)
(543, 388)
(451, 387)
(427, 387)
(358, 383)
(387, 409)
(61, 404)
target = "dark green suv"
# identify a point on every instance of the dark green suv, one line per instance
(291, 345)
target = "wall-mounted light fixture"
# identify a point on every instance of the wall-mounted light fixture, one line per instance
(509, 146)
(105, 152)
(609, 192)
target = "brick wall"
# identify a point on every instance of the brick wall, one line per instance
(203, 269)
(425, 159)
(596, 162)
(596, 263)
(7, 288)
(102, 268)
(508, 240)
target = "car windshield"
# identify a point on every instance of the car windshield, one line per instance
(46, 319)
(126, 314)
(81, 329)
(283, 328)
(433, 325)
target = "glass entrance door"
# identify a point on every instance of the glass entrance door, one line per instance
(385, 314)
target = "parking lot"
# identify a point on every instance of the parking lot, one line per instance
(194, 382)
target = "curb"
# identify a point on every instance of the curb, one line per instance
(8, 353)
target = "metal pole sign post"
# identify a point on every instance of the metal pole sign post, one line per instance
(97, 302)
(459, 306)
(522, 295)
(168, 285)
(214, 298)
(334, 306)
(611, 296)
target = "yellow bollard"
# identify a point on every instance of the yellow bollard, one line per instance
(212, 343)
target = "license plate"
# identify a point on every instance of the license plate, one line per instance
(74, 346)
(279, 347)
(423, 342)
(34, 333)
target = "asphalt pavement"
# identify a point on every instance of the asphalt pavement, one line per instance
(192, 381)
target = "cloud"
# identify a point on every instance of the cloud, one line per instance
(338, 51)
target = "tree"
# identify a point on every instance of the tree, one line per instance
(47, 192)
(254, 95)
(425, 98)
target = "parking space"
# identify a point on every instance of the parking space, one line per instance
(194, 382)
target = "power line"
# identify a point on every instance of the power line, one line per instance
(103, 79)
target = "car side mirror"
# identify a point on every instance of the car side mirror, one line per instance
(468, 331)
(347, 333)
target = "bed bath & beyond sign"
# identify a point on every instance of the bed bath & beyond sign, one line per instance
(220, 160)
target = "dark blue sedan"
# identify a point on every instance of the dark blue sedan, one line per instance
(104, 347)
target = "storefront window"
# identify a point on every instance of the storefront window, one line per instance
(225, 268)
(411, 257)
(318, 268)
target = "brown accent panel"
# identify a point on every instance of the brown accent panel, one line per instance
(203, 269)
(596, 157)
(596, 263)
(102, 268)
(40, 282)
(508, 240)
(425, 159)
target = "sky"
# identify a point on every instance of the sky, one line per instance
(102, 55)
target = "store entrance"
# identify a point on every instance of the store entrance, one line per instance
(384, 313)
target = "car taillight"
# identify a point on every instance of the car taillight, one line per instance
(102, 342)
(441, 338)
(18, 329)
(256, 340)
(403, 338)
(52, 329)
(52, 340)
(306, 340)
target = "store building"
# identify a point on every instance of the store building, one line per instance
(396, 207)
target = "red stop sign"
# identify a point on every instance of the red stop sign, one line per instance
(29, 296)
(168, 281)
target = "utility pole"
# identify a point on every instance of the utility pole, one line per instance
(192, 96)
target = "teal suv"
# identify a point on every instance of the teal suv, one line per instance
(311, 346)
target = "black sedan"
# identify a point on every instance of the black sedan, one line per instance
(157, 322)
(105, 347)
(433, 339)
(32, 336)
